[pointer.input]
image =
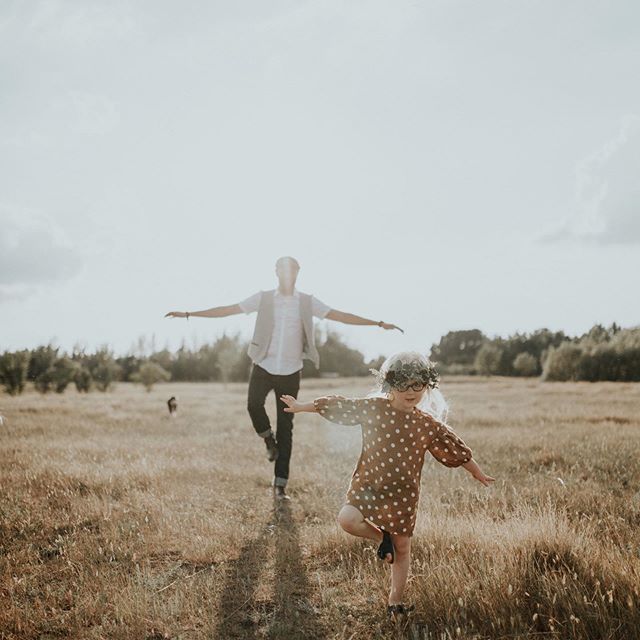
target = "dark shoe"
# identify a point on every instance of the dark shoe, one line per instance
(399, 612)
(272, 448)
(386, 546)
(280, 494)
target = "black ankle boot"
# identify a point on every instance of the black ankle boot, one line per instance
(272, 448)
(280, 494)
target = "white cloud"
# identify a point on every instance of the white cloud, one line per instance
(14, 293)
(80, 22)
(606, 208)
(89, 113)
(33, 251)
(79, 113)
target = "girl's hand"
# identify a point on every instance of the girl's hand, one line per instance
(293, 406)
(482, 477)
(472, 467)
(176, 314)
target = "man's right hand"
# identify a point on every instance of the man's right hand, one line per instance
(176, 314)
(388, 327)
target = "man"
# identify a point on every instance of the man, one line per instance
(282, 338)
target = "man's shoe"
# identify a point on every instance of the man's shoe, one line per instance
(272, 448)
(280, 494)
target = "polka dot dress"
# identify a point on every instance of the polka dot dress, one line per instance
(385, 484)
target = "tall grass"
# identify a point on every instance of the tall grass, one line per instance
(118, 522)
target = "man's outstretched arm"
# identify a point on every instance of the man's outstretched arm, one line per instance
(214, 312)
(351, 318)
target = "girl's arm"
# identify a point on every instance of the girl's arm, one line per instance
(338, 409)
(214, 312)
(473, 468)
(451, 451)
(293, 406)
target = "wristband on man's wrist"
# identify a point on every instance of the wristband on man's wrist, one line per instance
(380, 323)
(186, 315)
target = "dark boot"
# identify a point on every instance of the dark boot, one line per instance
(272, 448)
(280, 494)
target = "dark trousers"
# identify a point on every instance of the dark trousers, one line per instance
(261, 383)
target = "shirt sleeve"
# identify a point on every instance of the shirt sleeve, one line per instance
(251, 304)
(319, 308)
(446, 447)
(343, 410)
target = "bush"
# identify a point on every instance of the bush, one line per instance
(41, 361)
(336, 356)
(489, 359)
(376, 363)
(103, 368)
(629, 364)
(82, 379)
(562, 363)
(13, 371)
(627, 339)
(603, 362)
(164, 358)
(149, 374)
(129, 365)
(458, 347)
(44, 382)
(40, 370)
(232, 362)
(524, 364)
(62, 373)
(456, 369)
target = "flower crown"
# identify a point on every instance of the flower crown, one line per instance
(401, 373)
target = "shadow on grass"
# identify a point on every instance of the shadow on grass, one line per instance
(290, 614)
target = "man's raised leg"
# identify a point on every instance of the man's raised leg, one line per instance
(260, 383)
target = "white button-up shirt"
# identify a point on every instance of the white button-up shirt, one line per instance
(284, 355)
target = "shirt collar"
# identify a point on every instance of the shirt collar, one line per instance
(295, 293)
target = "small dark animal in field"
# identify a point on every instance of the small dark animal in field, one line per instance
(172, 403)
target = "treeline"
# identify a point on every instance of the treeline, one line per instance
(226, 360)
(603, 353)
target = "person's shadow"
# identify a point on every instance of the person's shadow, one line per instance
(241, 615)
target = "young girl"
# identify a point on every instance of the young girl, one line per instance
(398, 427)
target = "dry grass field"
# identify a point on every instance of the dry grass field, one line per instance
(117, 522)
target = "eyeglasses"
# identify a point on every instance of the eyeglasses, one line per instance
(415, 386)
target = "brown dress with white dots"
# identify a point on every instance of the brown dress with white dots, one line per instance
(385, 484)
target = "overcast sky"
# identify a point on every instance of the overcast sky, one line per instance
(439, 165)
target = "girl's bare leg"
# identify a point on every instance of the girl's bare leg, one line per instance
(400, 568)
(353, 522)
